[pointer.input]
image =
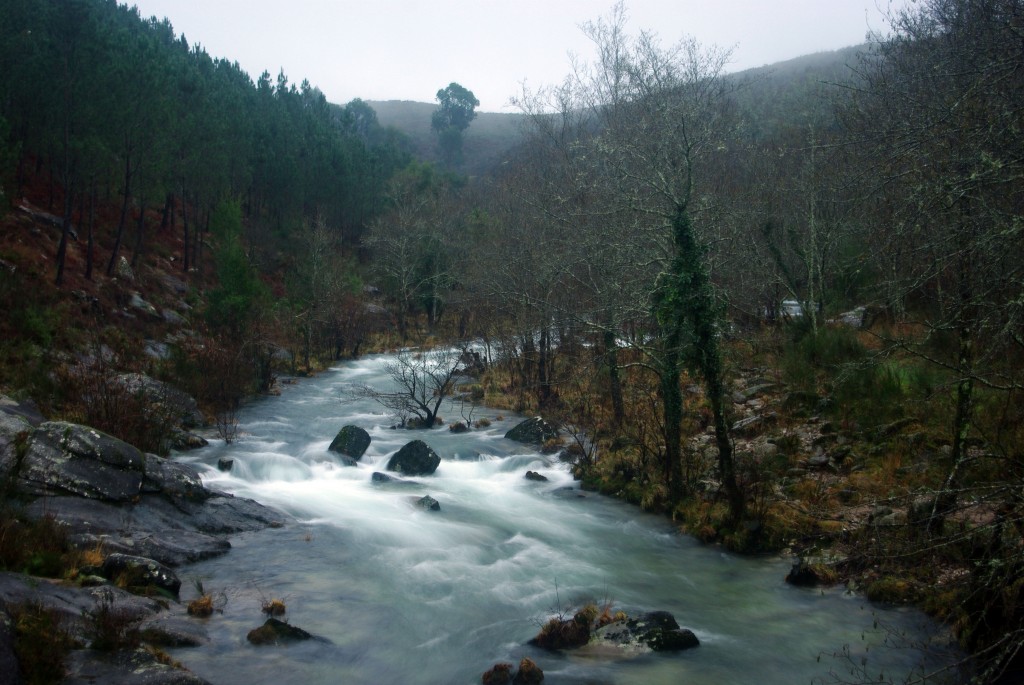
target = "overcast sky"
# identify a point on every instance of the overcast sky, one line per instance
(408, 49)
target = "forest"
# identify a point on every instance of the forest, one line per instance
(778, 306)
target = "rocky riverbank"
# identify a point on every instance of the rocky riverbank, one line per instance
(120, 522)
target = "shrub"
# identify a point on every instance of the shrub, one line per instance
(111, 627)
(37, 547)
(41, 642)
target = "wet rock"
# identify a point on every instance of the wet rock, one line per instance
(8, 657)
(656, 631)
(499, 674)
(173, 630)
(428, 503)
(533, 475)
(415, 459)
(66, 458)
(529, 673)
(535, 431)
(276, 631)
(225, 464)
(26, 409)
(350, 441)
(124, 667)
(803, 574)
(140, 572)
(184, 441)
(173, 479)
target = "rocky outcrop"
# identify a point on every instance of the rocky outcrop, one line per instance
(535, 431)
(96, 615)
(105, 491)
(69, 459)
(140, 572)
(415, 459)
(165, 398)
(351, 441)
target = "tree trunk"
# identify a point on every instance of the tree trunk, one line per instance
(65, 232)
(611, 360)
(186, 247)
(124, 215)
(140, 232)
(90, 247)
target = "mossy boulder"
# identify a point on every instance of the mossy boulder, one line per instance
(535, 431)
(351, 441)
(415, 459)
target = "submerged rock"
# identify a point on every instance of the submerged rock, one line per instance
(533, 475)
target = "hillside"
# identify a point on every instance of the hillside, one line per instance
(487, 139)
(768, 97)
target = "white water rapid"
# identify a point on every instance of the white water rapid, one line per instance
(404, 595)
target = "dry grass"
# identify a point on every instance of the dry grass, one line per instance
(273, 607)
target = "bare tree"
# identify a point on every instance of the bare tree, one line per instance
(421, 380)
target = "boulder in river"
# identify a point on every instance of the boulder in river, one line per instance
(351, 441)
(535, 431)
(654, 631)
(415, 459)
(533, 475)
(428, 503)
(276, 631)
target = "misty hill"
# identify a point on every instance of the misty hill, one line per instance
(778, 95)
(486, 141)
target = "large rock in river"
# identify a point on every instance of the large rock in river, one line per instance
(535, 431)
(415, 459)
(351, 441)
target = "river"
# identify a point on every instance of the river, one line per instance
(404, 595)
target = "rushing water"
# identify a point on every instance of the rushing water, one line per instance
(403, 595)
